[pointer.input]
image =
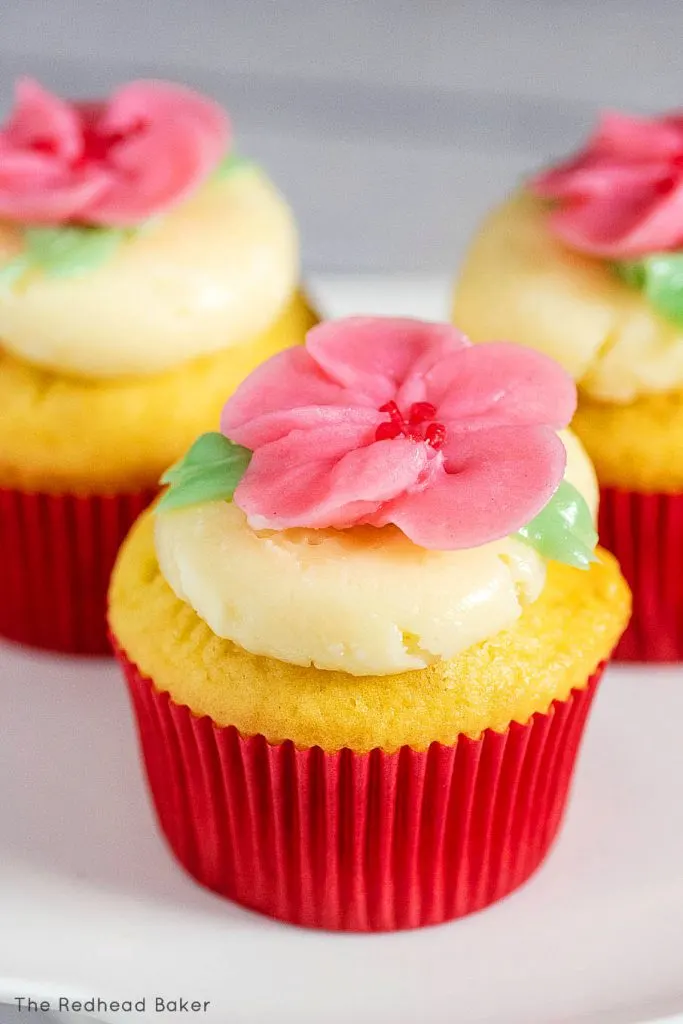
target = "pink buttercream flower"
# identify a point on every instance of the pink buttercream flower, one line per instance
(622, 196)
(379, 420)
(114, 163)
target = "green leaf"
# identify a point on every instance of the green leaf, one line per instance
(563, 530)
(210, 471)
(664, 284)
(631, 272)
(64, 251)
(230, 164)
(12, 271)
(660, 278)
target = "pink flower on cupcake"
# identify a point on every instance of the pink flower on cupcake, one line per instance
(380, 420)
(622, 196)
(113, 163)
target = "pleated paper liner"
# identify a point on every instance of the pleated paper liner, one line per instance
(645, 532)
(56, 556)
(358, 842)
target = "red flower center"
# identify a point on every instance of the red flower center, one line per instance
(419, 414)
(96, 147)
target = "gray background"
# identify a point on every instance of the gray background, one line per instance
(390, 125)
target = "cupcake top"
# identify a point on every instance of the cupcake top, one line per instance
(132, 237)
(587, 262)
(620, 200)
(382, 498)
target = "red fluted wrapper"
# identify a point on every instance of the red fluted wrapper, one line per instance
(357, 842)
(56, 555)
(645, 532)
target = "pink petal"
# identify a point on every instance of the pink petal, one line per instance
(36, 195)
(172, 138)
(331, 477)
(619, 227)
(499, 384)
(661, 228)
(495, 481)
(41, 119)
(625, 153)
(647, 139)
(17, 164)
(286, 392)
(148, 101)
(153, 173)
(597, 177)
(373, 356)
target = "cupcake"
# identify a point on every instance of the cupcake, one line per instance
(586, 265)
(145, 270)
(363, 627)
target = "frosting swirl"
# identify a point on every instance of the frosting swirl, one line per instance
(364, 601)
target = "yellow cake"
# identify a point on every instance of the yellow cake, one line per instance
(635, 446)
(65, 433)
(554, 647)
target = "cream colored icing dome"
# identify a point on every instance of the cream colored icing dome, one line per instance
(365, 601)
(211, 273)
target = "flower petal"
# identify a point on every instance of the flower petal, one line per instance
(597, 178)
(332, 477)
(374, 356)
(171, 139)
(500, 384)
(623, 153)
(287, 392)
(148, 101)
(494, 482)
(47, 196)
(42, 121)
(618, 228)
(38, 145)
(647, 139)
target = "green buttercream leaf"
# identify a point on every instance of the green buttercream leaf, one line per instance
(631, 272)
(660, 278)
(68, 250)
(563, 531)
(12, 271)
(230, 164)
(210, 471)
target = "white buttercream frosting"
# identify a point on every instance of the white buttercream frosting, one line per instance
(212, 273)
(367, 601)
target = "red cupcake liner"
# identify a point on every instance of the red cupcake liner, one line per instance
(357, 842)
(645, 533)
(56, 556)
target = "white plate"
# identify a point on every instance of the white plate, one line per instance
(91, 903)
